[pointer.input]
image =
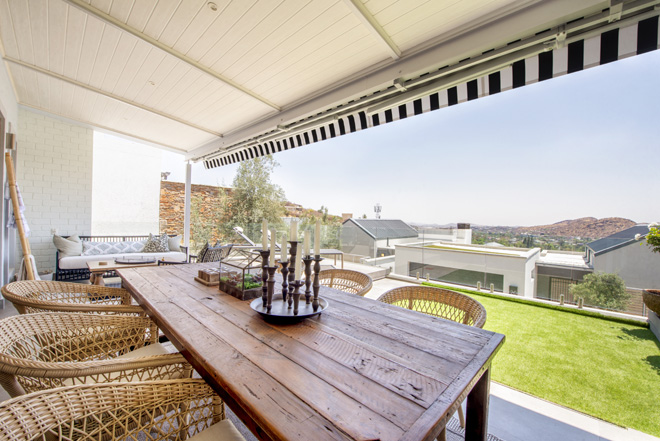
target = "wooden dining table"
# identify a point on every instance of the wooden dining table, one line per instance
(361, 370)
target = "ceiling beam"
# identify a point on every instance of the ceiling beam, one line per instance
(107, 94)
(87, 8)
(358, 9)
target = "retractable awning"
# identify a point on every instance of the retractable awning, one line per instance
(619, 32)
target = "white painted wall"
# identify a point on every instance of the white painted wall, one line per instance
(516, 270)
(126, 187)
(9, 110)
(54, 172)
(635, 263)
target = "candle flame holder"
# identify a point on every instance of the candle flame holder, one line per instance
(296, 295)
(292, 267)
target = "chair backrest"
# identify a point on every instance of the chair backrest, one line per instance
(443, 303)
(39, 351)
(164, 410)
(215, 254)
(353, 282)
(30, 296)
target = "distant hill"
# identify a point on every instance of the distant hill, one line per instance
(584, 227)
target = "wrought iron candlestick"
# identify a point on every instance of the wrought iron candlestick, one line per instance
(292, 267)
(296, 295)
(307, 260)
(271, 287)
(265, 254)
(317, 283)
(285, 272)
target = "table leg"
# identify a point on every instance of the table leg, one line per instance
(97, 279)
(476, 425)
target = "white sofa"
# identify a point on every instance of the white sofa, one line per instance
(72, 259)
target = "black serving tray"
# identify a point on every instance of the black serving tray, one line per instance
(280, 312)
(135, 260)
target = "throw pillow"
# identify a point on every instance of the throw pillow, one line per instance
(202, 252)
(69, 246)
(156, 244)
(175, 243)
(134, 246)
(91, 248)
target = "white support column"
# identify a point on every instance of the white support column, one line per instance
(186, 209)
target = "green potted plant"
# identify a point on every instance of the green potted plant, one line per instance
(651, 297)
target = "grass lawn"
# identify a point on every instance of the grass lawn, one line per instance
(603, 368)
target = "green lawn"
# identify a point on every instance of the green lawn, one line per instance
(607, 369)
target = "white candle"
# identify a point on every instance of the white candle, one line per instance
(264, 234)
(317, 238)
(306, 243)
(299, 265)
(284, 257)
(294, 231)
(271, 260)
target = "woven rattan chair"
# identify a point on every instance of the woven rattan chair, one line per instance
(29, 296)
(152, 410)
(441, 303)
(353, 282)
(42, 351)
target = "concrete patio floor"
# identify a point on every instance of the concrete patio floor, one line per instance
(513, 415)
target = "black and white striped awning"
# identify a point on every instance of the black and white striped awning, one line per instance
(635, 36)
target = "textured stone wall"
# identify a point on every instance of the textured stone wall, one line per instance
(172, 197)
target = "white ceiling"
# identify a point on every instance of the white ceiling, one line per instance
(197, 76)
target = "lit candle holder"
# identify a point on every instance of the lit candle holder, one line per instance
(264, 234)
(271, 261)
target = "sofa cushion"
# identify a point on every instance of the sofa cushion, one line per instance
(174, 243)
(91, 248)
(80, 262)
(157, 244)
(69, 246)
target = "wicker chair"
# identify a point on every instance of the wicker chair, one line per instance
(29, 296)
(441, 303)
(212, 254)
(353, 282)
(153, 410)
(42, 351)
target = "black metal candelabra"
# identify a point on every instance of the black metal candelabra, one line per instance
(292, 268)
(296, 295)
(307, 260)
(317, 283)
(271, 287)
(285, 285)
(265, 254)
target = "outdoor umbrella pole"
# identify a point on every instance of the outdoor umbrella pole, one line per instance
(25, 245)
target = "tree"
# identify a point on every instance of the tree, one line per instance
(602, 289)
(653, 238)
(254, 197)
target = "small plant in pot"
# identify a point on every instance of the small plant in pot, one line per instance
(651, 297)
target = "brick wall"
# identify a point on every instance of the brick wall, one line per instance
(54, 172)
(172, 197)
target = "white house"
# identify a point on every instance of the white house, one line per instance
(509, 270)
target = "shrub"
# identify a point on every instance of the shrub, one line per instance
(603, 290)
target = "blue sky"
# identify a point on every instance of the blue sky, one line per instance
(585, 144)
